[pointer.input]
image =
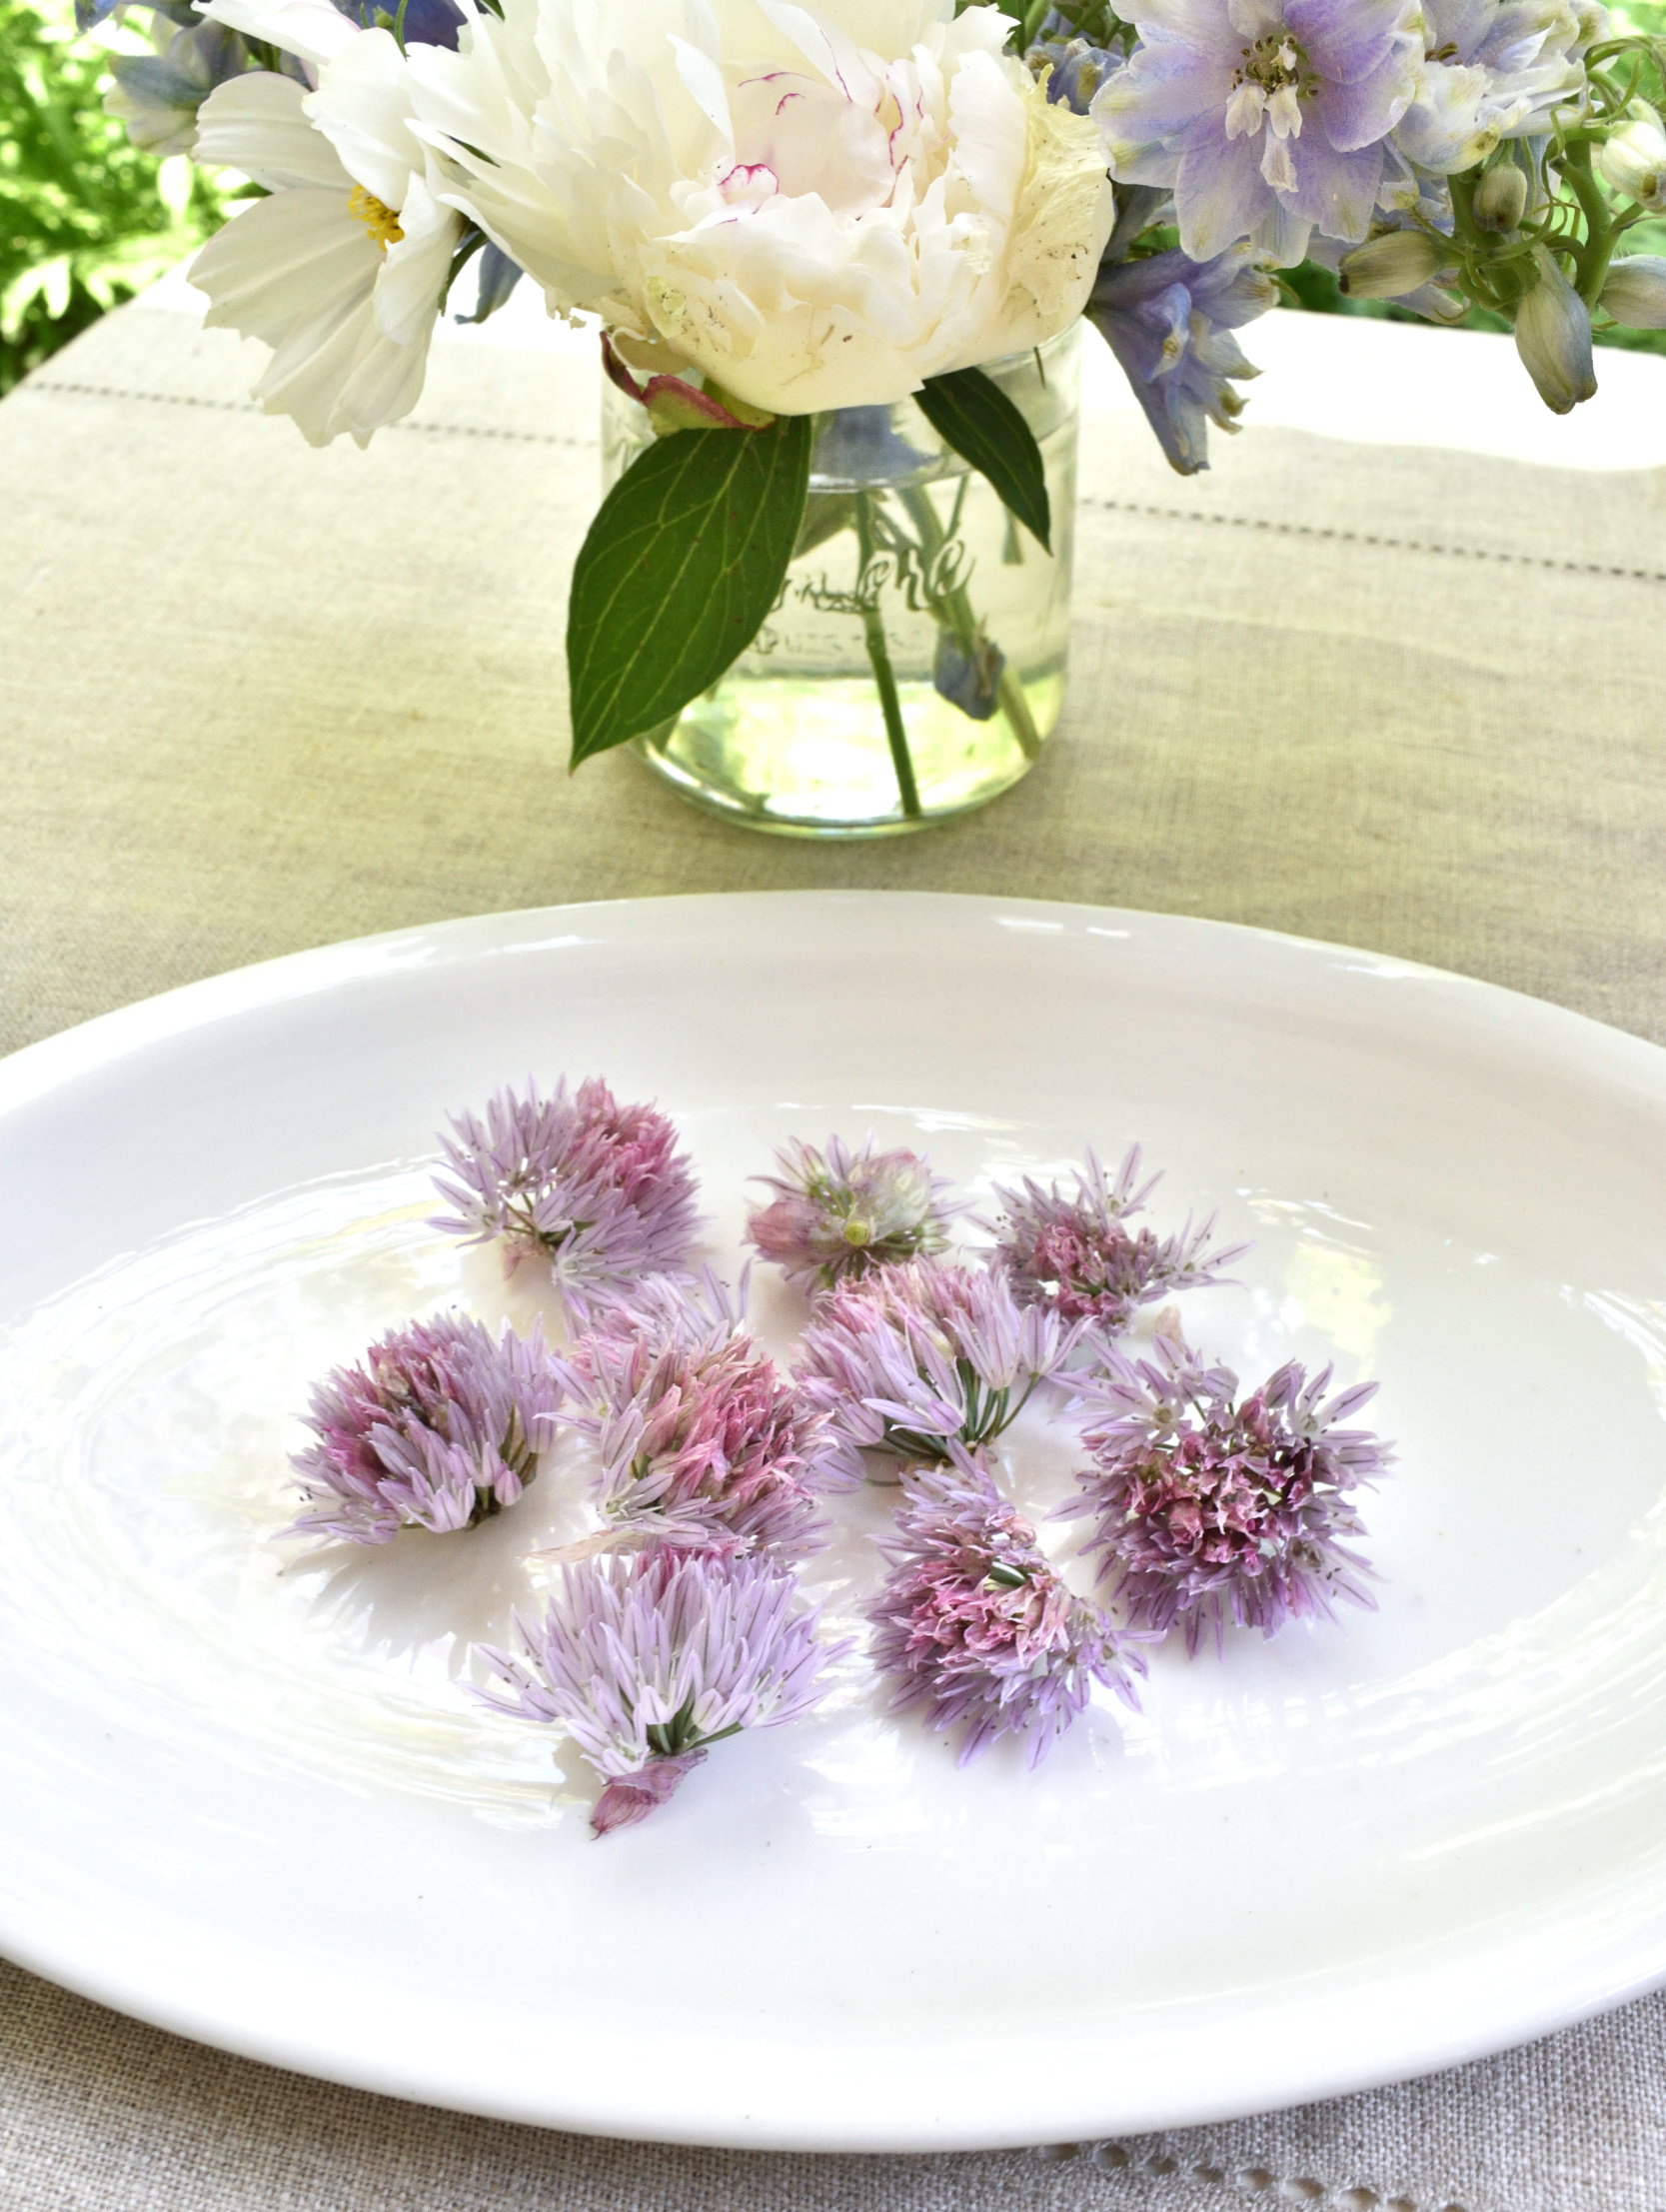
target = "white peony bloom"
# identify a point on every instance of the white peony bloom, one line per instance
(342, 270)
(818, 207)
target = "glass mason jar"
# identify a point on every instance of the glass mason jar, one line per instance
(913, 666)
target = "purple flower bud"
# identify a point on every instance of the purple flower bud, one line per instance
(1398, 262)
(1553, 337)
(1500, 199)
(1633, 159)
(1635, 292)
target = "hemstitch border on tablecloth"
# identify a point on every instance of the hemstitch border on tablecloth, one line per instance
(1372, 539)
(1246, 2180)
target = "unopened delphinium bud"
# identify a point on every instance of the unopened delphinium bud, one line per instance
(1553, 337)
(1635, 292)
(1386, 268)
(1501, 198)
(1633, 160)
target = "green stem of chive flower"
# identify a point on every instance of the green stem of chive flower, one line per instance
(884, 678)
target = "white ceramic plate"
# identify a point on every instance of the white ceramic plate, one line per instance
(250, 1801)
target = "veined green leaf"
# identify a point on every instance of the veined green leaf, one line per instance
(681, 567)
(971, 412)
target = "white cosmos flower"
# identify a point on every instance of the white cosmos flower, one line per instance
(818, 207)
(342, 269)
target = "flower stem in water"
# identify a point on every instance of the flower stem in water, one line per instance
(883, 676)
(958, 607)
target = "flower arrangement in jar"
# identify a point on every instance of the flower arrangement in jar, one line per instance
(837, 254)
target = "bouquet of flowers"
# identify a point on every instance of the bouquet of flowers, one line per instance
(785, 215)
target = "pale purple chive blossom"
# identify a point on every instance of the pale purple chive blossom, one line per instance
(1265, 118)
(1075, 1254)
(1169, 322)
(598, 1188)
(704, 1442)
(438, 1427)
(840, 1213)
(1209, 1508)
(915, 1359)
(976, 1627)
(649, 1658)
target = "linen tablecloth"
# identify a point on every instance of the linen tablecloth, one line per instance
(1397, 684)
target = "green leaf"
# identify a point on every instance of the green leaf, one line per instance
(971, 412)
(682, 566)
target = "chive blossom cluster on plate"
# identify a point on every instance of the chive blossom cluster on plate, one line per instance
(715, 1472)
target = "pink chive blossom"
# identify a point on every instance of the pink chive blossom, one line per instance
(704, 1442)
(1076, 1254)
(1209, 1508)
(438, 1427)
(649, 1658)
(975, 1625)
(915, 1359)
(598, 1188)
(840, 1214)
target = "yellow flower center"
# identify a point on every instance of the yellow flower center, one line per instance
(380, 221)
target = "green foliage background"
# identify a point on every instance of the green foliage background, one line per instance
(87, 220)
(84, 220)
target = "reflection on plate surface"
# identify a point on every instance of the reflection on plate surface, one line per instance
(1350, 1852)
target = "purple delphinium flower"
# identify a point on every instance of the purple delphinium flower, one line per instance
(438, 1429)
(840, 1214)
(649, 1658)
(1077, 1255)
(598, 1187)
(1210, 1508)
(704, 1442)
(1493, 69)
(421, 22)
(967, 673)
(1071, 66)
(1169, 322)
(1266, 118)
(917, 1358)
(975, 1626)
(861, 445)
